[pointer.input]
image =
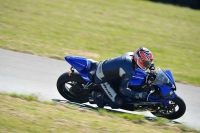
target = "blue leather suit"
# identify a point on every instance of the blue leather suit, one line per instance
(120, 67)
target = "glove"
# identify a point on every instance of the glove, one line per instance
(152, 67)
(151, 76)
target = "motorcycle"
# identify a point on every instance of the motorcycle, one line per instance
(77, 85)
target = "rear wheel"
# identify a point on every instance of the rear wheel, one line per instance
(174, 110)
(70, 86)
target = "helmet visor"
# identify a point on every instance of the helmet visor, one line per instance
(147, 64)
(143, 64)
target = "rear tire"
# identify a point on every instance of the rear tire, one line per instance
(174, 114)
(66, 78)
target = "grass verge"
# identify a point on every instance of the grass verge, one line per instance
(104, 29)
(20, 113)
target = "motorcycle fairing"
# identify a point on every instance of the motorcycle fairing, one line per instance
(164, 78)
(138, 77)
(164, 101)
(81, 64)
(164, 81)
(166, 91)
(170, 76)
(85, 77)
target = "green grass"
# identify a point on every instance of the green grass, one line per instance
(31, 97)
(104, 29)
(19, 114)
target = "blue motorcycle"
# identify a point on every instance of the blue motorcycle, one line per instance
(77, 85)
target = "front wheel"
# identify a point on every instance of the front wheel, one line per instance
(70, 86)
(174, 110)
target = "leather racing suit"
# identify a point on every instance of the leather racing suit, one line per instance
(122, 68)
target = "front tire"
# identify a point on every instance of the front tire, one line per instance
(72, 79)
(174, 110)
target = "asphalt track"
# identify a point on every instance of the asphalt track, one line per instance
(32, 74)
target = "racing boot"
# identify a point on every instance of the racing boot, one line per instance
(141, 96)
(98, 96)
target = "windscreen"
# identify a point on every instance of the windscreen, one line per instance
(162, 78)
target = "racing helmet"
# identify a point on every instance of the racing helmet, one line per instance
(143, 58)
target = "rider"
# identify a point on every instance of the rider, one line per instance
(122, 68)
